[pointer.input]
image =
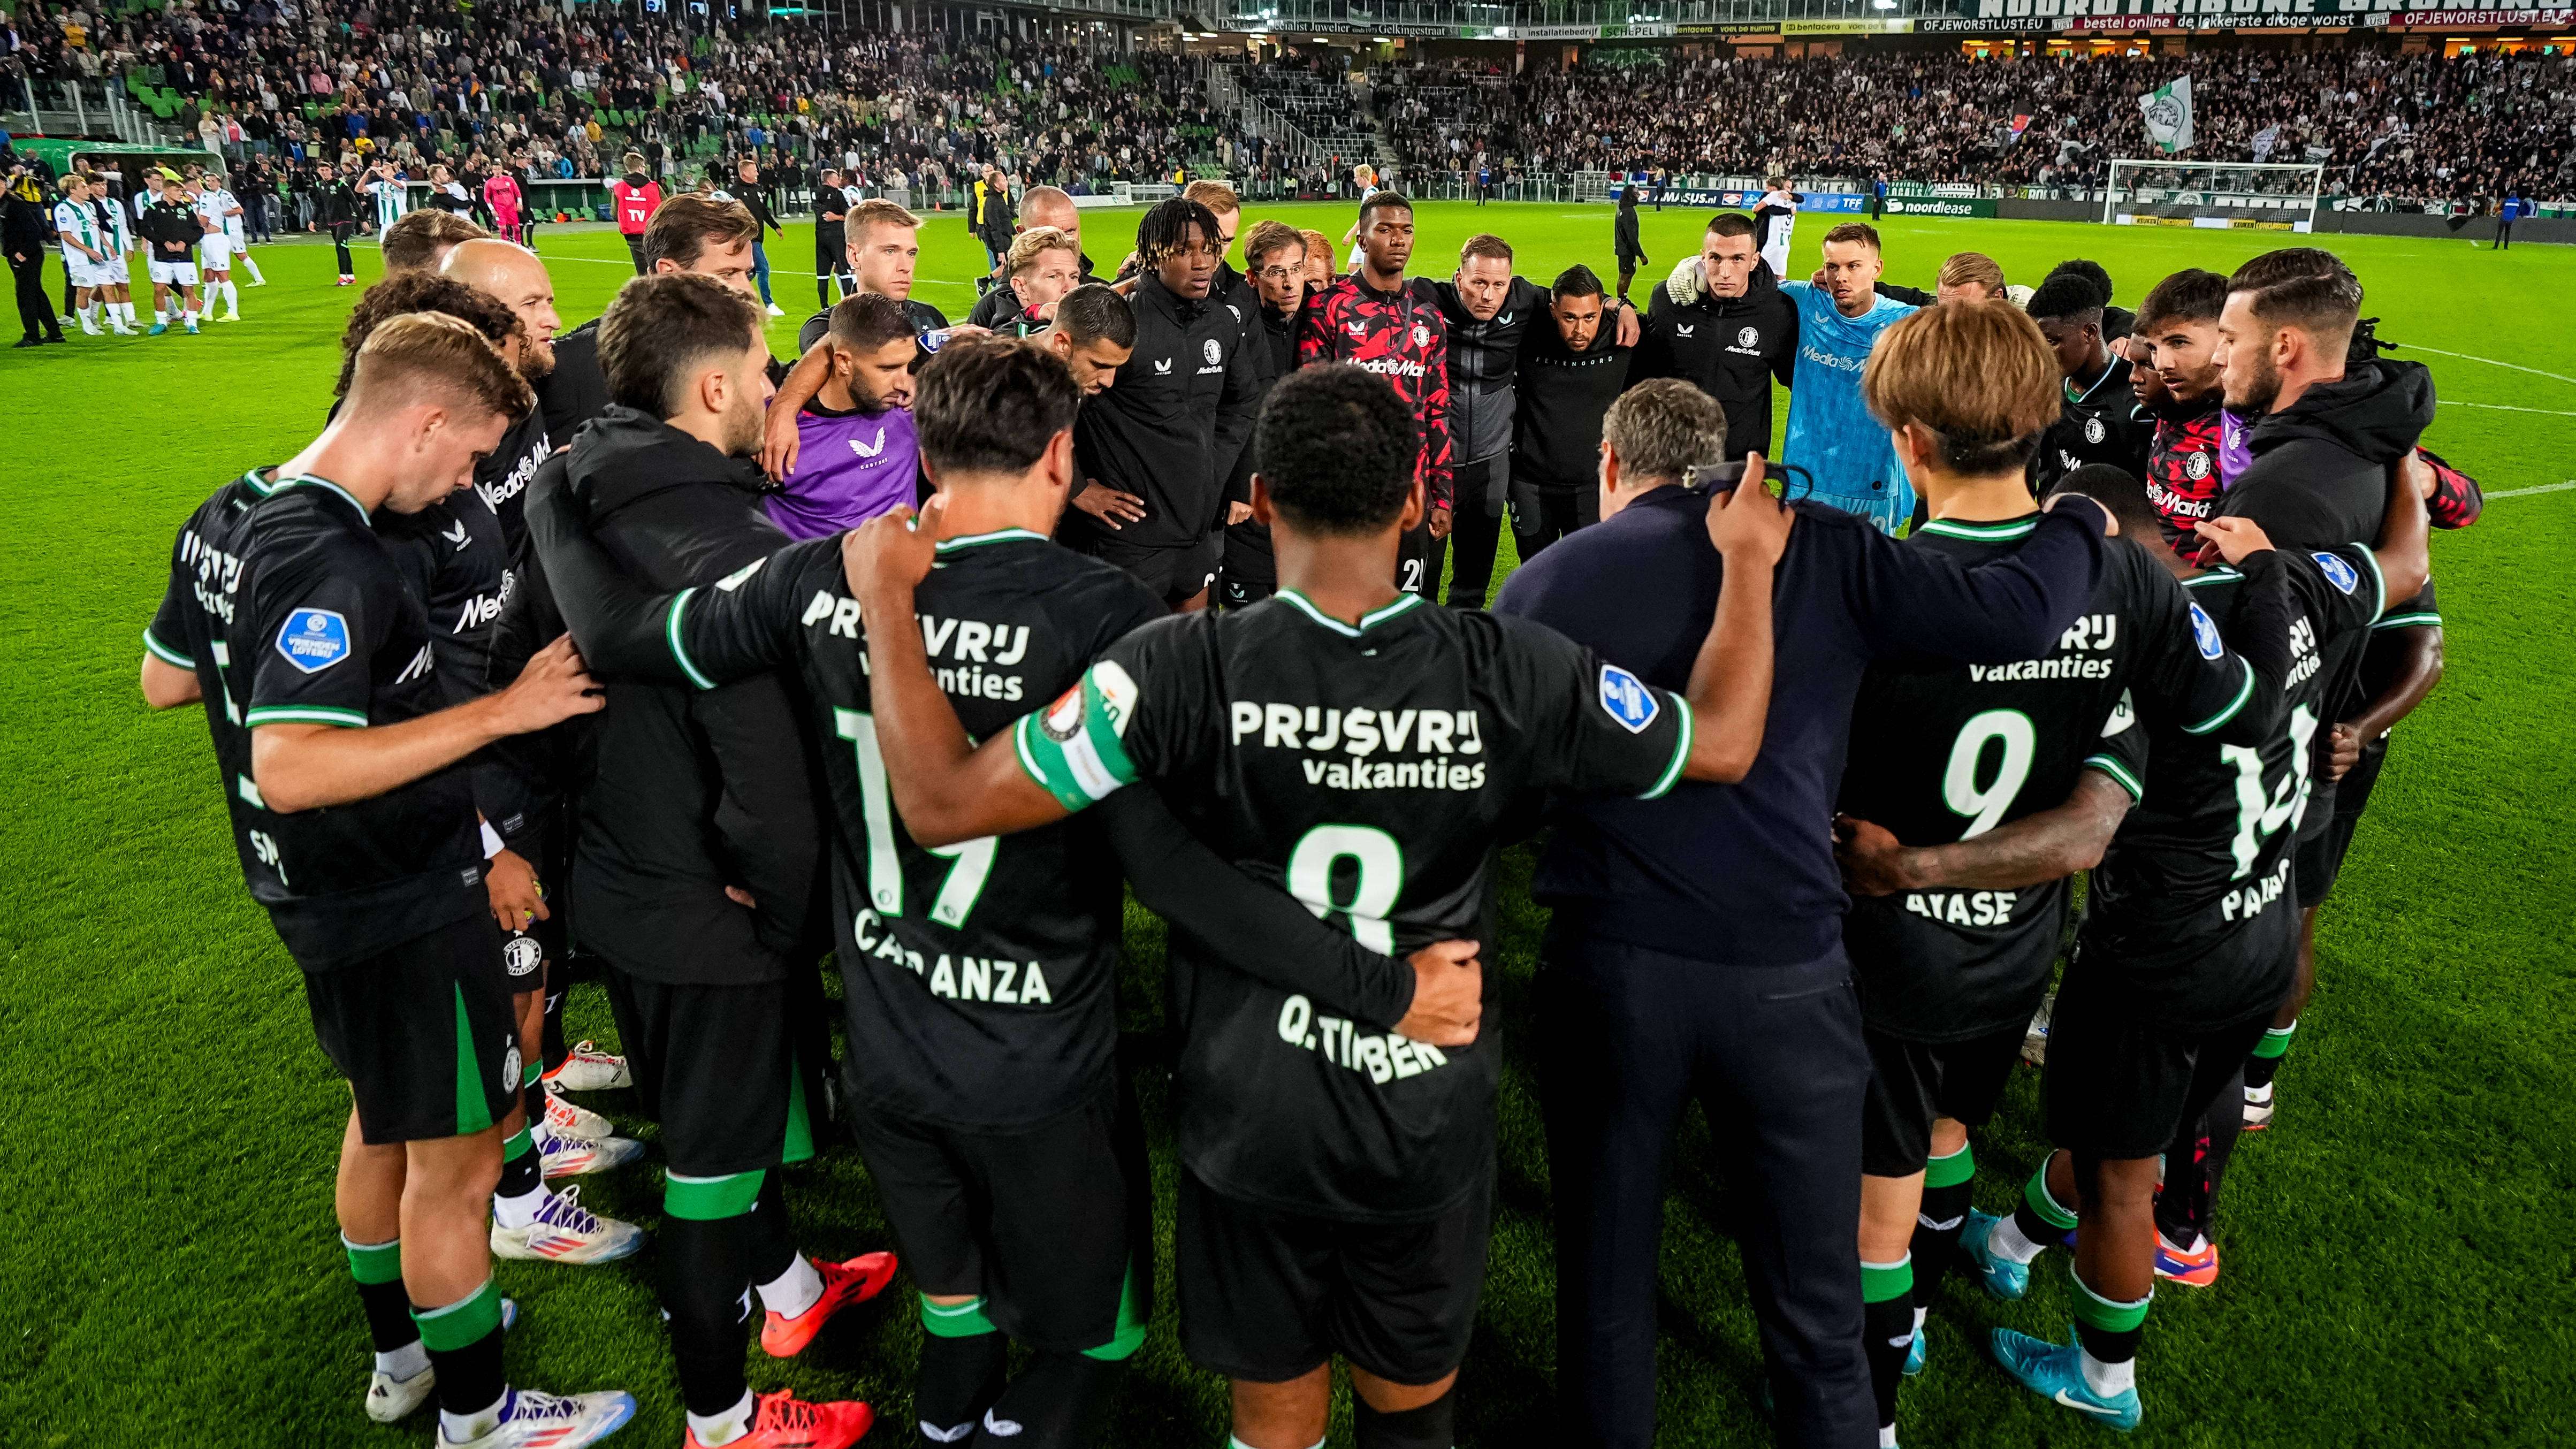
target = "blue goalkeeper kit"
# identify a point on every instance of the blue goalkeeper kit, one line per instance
(1846, 455)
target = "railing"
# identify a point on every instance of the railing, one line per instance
(94, 107)
(1550, 19)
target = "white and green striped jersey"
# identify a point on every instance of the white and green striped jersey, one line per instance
(290, 612)
(74, 221)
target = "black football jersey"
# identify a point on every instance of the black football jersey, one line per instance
(1367, 770)
(2099, 422)
(1944, 751)
(456, 560)
(991, 964)
(289, 609)
(2191, 913)
(505, 473)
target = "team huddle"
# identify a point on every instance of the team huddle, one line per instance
(632, 645)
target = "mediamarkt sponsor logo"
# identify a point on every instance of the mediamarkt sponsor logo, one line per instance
(1389, 366)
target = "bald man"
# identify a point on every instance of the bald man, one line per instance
(1041, 206)
(521, 793)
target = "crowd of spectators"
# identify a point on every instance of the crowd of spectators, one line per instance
(2421, 127)
(281, 86)
(522, 84)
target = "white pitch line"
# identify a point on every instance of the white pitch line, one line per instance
(2527, 492)
(2489, 361)
(2507, 408)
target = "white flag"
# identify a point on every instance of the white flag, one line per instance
(2168, 110)
(2264, 141)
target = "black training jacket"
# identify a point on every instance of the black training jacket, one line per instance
(1170, 429)
(690, 790)
(1731, 347)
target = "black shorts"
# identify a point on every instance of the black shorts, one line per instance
(1175, 572)
(2118, 1085)
(717, 1066)
(1044, 1221)
(1266, 1295)
(1912, 1082)
(2314, 856)
(2352, 797)
(424, 1033)
(1250, 572)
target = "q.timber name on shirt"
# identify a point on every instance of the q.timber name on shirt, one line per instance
(1383, 1058)
(959, 978)
(2089, 631)
(1437, 737)
(977, 651)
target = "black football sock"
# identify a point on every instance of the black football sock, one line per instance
(378, 1269)
(464, 1342)
(707, 1291)
(964, 1360)
(1887, 1329)
(1949, 1189)
(523, 1167)
(1050, 1405)
(1432, 1426)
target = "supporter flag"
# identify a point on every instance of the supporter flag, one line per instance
(2168, 110)
(2265, 140)
(2019, 125)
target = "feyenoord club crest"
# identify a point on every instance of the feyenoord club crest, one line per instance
(1215, 354)
(1421, 335)
(2093, 429)
(522, 955)
(2195, 466)
(1748, 338)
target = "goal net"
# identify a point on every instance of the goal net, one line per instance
(2245, 195)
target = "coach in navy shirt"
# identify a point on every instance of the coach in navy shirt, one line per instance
(1696, 946)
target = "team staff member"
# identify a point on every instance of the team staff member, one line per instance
(1492, 315)
(2100, 421)
(1625, 241)
(24, 238)
(1337, 1192)
(1372, 320)
(752, 190)
(697, 874)
(983, 1064)
(636, 196)
(687, 234)
(831, 237)
(1275, 253)
(1696, 947)
(335, 210)
(1039, 206)
(1721, 323)
(1157, 449)
(1575, 367)
(295, 628)
(422, 239)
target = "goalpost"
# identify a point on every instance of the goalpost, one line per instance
(2256, 195)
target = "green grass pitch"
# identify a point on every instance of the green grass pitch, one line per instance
(2400, 1264)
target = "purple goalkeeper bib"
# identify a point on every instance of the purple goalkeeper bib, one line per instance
(850, 467)
(2235, 454)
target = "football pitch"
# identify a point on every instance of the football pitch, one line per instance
(2400, 1257)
